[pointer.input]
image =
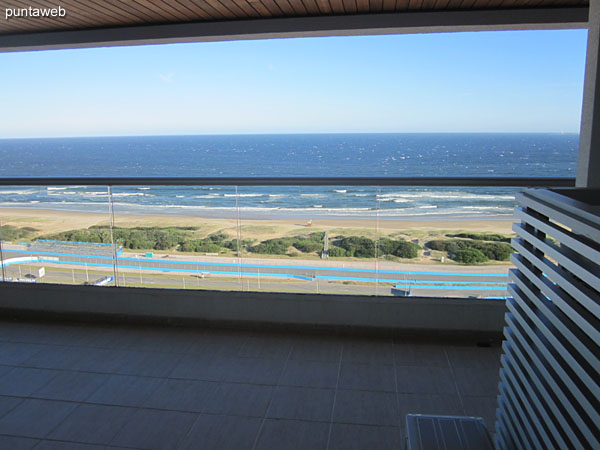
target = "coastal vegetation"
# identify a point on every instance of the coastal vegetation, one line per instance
(11, 233)
(460, 247)
(472, 251)
(482, 236)
(138, 238)
(215, 243)
(181, 239)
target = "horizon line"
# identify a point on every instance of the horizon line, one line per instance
(290, 133)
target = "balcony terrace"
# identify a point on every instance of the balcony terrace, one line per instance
(259, 369)
(68, 385)
(85, 367)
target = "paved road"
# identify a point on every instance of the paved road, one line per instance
(429, 282)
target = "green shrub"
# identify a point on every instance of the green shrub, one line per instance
(277, 246)
(336, 252)
(147, 238)
(308, 246)
(233, 244)
(468, 256)
(358, 246)
(218, 237)
(10, 233)
(200, 246)
(482, 236)
(447, 245)
(401, 249)
(317, 236)
(498, 251)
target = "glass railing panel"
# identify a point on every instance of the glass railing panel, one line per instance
(448, 242)
(270, 226)
(445, 241)
(56, 234)
(178, 237)
(365, 240)
(303, 239)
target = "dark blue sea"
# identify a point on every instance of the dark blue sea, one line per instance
(318, 155)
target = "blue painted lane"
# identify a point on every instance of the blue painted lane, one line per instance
(479, 288)
(402, 283)
(267, 266)
(162, 269)
(267, 274)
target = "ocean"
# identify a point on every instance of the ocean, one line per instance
(318, 155)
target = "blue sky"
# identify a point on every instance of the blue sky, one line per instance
(521, 81)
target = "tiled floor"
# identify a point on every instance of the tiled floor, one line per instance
(89, 387)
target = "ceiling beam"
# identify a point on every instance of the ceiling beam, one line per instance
(347, 25)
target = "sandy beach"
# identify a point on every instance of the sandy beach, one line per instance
(54, 221)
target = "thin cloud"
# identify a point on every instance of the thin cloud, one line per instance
(167, 78)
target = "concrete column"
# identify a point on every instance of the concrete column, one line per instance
(588, 167)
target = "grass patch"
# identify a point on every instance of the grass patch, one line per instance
(493, 237)
(463, 250)
(11, 233)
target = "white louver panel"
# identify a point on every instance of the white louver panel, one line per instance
(549, 393)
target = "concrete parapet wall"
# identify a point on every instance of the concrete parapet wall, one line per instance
(420, 315)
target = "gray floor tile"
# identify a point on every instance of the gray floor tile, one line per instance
(148, 338)
(425, 380)
(61, 445)
(293, 435)
(149, 364)
(212, 432)
(5, 369)
(324, 349)
(10, 330)
(155, 430)
(301, 403)
(176, 340)
(445, 405)
(14, 353)
(35, 418)
(223, 342)
(57, 357)
(474, 357)
(252, 370)
(17, 443)
(378, 351)
(482, 407)
(21, 381)
(125, 390)
(103, 360)
(29, 332)
(267, 346)
(370, 377)
(7, 404)
(74, 386)
(198, 367)
(419, 354)
(361, 437)
(233, 373)
(181, 395)
(477, 382)
(55, 334)
(365, 407)
(107, 336)
(310, 374)
(7, 329)
(239, 399)
(93, 424)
